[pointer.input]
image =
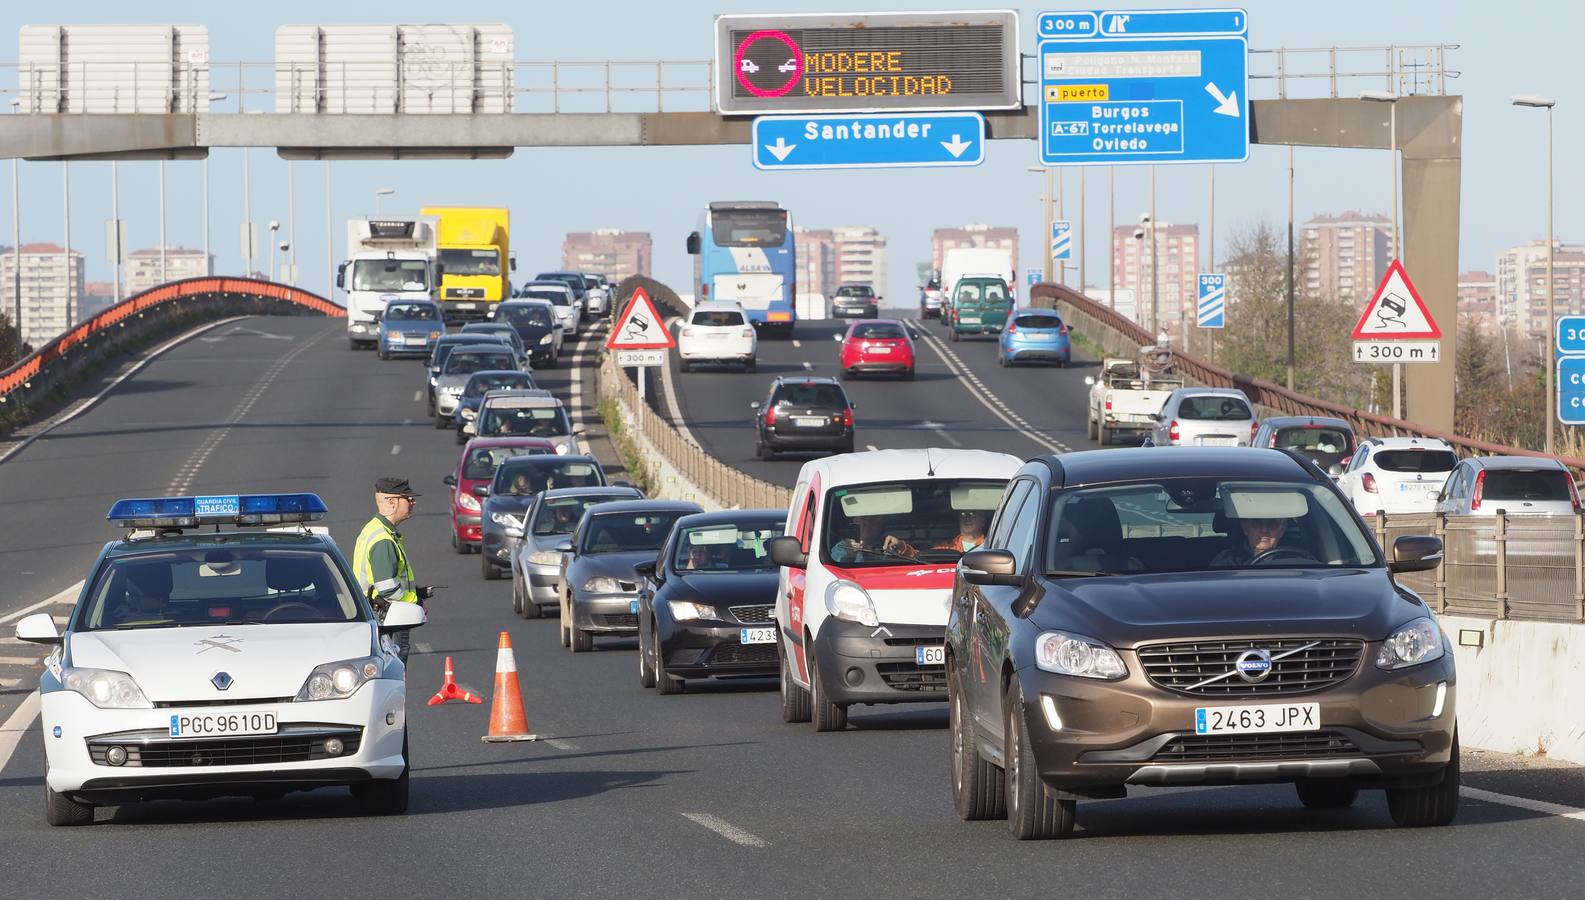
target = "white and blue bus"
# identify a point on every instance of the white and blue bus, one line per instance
(744, 253)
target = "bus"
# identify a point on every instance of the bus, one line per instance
(743, 252)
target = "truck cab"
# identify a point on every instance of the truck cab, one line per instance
(475, 257)
(388, 261)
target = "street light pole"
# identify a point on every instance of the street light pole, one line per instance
(330, 267)
(1062, 213)
(164, 275)
(1290, 269)
(209, 266)
(66, 255)
(1084, 245)
(115, 226)
(381, 192)
(291, 217)
(16, 252)
(1111, 237)
(1155, 308)
(1535, 101)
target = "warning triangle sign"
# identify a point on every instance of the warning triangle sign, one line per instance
(1396, 312)
(640, 326)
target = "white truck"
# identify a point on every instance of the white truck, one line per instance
(387, 260)
(1127, 397)
(985, 261)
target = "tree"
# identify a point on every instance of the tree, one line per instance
(8, 342)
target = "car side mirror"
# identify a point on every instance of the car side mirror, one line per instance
(989, 567)
(1089, 380)
(754, 405)
(1415, 553)
(38, 628)
(1334, 470)
(450, 480)
(693, 244)
(787, 551)
(467, 427)
(481, 490)
(513, 532)
(401, 617)
(646, 569)
(564, 547)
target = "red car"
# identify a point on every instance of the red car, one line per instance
(879, 345)
(474, 470)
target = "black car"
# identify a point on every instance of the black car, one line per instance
(478, 384)
(1326, 441)
(705, 605)
(535, 322)
(855, 300)
(1209, 616)
(803, 413)
(517, 481)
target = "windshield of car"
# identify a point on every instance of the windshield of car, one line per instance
(908, 522)
(1309, 439)
(482, 463)
(559, 298)
(232, 586)
(818, 395)
(1525, 484)
(468, 363)
(411, 312)
(561, 515)
(526, 315)
(496, 381)
(500, 329)
(1203, 524)
(573, 282)
(855, 290)
(471, 262)
(532, 475)
(1038, 320)
(748, 227)
(1214, 408)
(717, 317)
(1415, 460)
(527, 421)
(627, 532)
(390, 275)
(881, 332)
(725, 548)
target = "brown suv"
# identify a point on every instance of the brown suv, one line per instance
(1206, 616)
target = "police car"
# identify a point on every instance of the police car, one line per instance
(208, 661)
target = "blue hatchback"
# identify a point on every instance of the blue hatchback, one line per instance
(1037, 335)
(409, 328)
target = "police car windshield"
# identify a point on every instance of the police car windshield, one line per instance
(240, 585)
(560, 516)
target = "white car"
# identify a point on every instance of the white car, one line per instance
(1398, 475)
(872, 545)
(717, 331)
(568, 311)
(1204, 417)
(200, 664)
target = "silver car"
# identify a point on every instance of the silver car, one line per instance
(568, 311)
(1204, 417)
(1517, 485)
(599, 589)
(548, 522)
(459, 367)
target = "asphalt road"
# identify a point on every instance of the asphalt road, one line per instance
(706, 794)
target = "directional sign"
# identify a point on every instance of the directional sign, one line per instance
(1571, 334)
(1571, 390)
(640, 326)
(1062, 239)
(630, 358)
(1144, 86)
(1212, 311)
(1032, 276)
(869, 141)
(1396, 312)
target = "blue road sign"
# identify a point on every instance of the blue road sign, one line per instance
(1570, 334)
(1062, 239)
(1032, 276)
(1213, 300)
(1571, 390)
(1144, 86)
(869, 141)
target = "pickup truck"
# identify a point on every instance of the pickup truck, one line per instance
(1122, 398)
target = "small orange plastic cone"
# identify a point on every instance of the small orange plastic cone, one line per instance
(508, 722)
(450, 691)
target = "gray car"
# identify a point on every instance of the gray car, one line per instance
(460, 365)
(599, 589)
(1204, 417)
(549, 521)
(442, 349)
(517, 482)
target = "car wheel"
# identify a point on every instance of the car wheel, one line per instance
(457, 546)
(1326, 793)
(827, 716)
(684, 365)
(908, 374)
(61, 810)
(846, 448)
(751, 366)
(954, 336)
(1426, 806)
(665, 682)
(441, 421)
(1103, 435)
(1001, 360)
(1089, 429)
(551, 362)
(764, 451)
(526, 606)
(1033, 814)
(487, 568)
(794, 699)
(846, 375)
(978, 787)
(386, 797)
(582, 641)
(646, 674)
(382, 354)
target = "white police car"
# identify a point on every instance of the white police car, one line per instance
(203, 663)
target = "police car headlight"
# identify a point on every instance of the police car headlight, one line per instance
(105, 688)
(846, 600)
(545, 341)
(545, 558)
(602, 585)
(339, 680)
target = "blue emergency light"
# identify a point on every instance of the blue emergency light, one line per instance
(224, 509)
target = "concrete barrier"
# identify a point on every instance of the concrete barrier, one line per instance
(1523, 690)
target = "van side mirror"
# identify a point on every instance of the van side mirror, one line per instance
(693, 243)
(787, 551)
(989, 567)
(1415, 553)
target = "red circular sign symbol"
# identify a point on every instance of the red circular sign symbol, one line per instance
(740, 57)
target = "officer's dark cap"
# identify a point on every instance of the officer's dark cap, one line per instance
(398, 486)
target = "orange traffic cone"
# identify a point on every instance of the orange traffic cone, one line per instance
(508, 722)
(450, 691)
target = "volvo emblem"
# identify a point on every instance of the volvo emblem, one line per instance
(221, 681)
(1253, 665)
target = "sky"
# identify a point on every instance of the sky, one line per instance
(1516, 47)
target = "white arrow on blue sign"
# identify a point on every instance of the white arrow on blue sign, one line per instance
(1062, 239)
(1213, 300)
(1032, 276)
(869, 141)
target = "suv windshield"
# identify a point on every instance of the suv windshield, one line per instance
(813, 396)
(390, 275)
(468, 363)
(561, 515)
(496, 381)
(725, 548)
(908, 522)
(471, 262)
(528, 421)
(526, 315)
(1415, 460)
(530, 476)
(627, 532)
(411, 312)
(1203, 524)
(231, 586)
(1525, 484)
(1214, 409)
(717, 317)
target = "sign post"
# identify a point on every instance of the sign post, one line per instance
(1212, 311)
(639, 336)
(1569, 346)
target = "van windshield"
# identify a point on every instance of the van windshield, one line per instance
(908, 522)
(390, 275)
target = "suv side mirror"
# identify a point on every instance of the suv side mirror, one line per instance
(38, 628)
(401, 617)
(754, 405)
(989, 567)
(1415, 553)
(787, 551)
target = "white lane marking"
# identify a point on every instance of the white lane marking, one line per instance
(66, 597)
(395, 449)
(871, 447)
(418, 396)
(1540, 806)
(797, 343)
(837, 338)
(19, 660)
(582, 351)
(560, 744)
(941, 429)
(808, 366)
(16, 726)
(407, 421)
(727, 830)
(422, 647)
(987, 398)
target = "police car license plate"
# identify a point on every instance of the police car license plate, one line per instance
(756, 636)
(1258, 717)
(930, 656)
(223, 723)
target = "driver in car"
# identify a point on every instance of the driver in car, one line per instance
(1261, 526)
(970, 536)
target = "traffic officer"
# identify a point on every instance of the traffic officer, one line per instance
(380, 560)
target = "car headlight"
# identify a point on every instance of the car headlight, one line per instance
(338, 680)
(689, 611)
(468, 502)
(434, 335)
(847, 601)
(563, 449)
(1420, 641)
(452, 390)
(545, 341)
(1082, 657)
(545, 558)
(502, 518)
(469, 412)
(602, 585)
(105, 688)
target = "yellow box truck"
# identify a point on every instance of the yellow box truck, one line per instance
(475, 259)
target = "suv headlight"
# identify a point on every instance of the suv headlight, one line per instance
(689, 611)
(545, 558)
(105, 688)
(1082, 657)
(1420, 641)
(338, 680)
(602, 585)
(507, 519)
(851, 603)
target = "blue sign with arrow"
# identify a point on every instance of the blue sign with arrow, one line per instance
(1062, 239)
(1212, 312)
(1144, 86)
(1032, 276)
(869, 141)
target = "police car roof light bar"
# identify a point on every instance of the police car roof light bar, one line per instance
(232, 509)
